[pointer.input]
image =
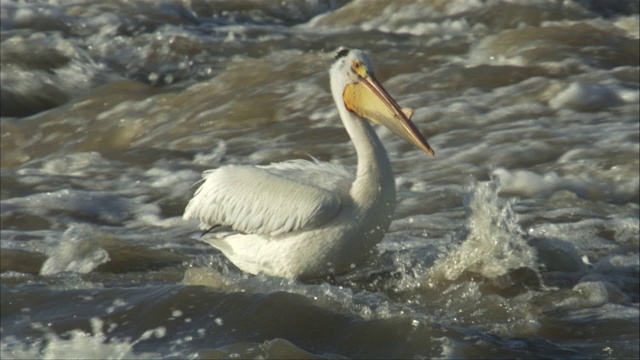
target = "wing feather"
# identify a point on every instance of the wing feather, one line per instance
(265, 200)
(332, 177)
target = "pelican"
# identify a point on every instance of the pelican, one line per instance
(307, 219)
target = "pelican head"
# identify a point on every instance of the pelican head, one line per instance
(353, 84)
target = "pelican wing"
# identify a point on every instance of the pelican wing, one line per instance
(273, 199)
(331, 177)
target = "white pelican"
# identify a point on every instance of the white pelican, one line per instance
(308, 219)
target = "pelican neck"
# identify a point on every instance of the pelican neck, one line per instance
(374, 176)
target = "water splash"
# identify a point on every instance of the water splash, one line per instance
(78, 252)
(77, 344)
(494, 244)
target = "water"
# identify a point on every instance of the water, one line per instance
(519, 239)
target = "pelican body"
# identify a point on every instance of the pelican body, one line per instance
(307, 219)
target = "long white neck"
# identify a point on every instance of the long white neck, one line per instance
(374, 184)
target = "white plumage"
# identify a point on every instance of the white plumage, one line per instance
(269, 200)
(303, 219)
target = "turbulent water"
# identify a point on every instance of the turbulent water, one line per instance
(519, 239)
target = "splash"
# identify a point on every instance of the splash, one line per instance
(495, 243)
(78, 252)
(78, 345)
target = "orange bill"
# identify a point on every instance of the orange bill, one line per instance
(370, 100)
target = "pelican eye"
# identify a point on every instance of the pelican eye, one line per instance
(358, 68)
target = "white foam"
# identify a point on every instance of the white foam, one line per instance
(629, 96)
(630, 24)
(587, 234)
(213, 157)
(77, 344)
(585, 97)
(179, 182)
(442, 31)
(592, 292)
(70, 79)
(113, 208)
(75, 164)
(26, 15)
(77, 252)
(402, 18)
(527, 183)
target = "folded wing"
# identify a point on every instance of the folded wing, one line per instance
(274, 199)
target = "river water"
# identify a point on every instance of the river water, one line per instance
(519, 239)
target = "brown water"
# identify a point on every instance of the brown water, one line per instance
(519, 239)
